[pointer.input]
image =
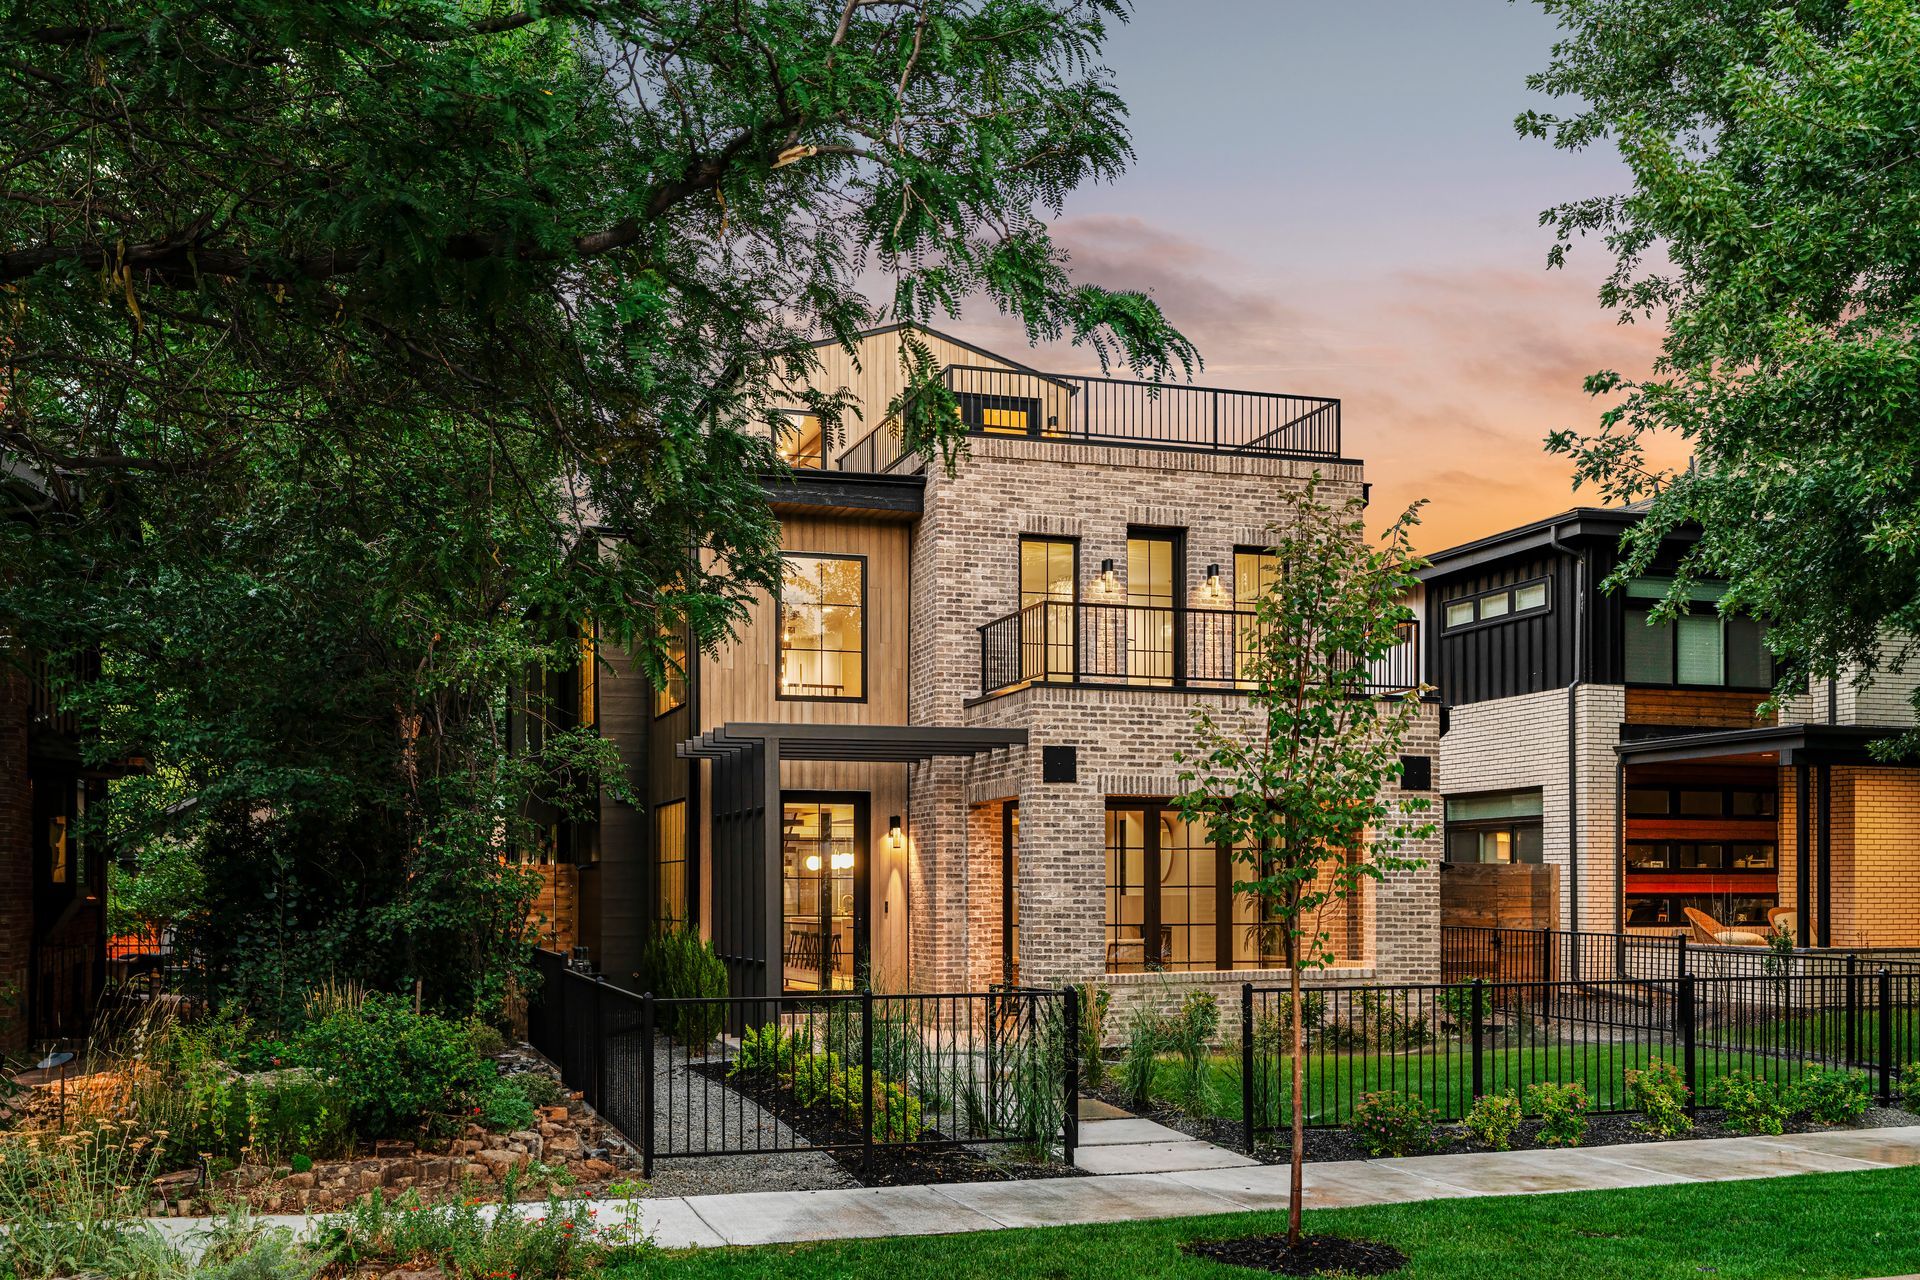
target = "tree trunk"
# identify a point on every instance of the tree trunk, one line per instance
(1299, 1159)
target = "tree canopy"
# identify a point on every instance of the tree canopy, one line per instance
(360, 350)
(1771, 225)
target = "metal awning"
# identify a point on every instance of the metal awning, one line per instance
(1787, 744)
(745, 800)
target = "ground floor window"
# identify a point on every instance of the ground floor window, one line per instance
(1495, 826)
(823, 867)
(1669, 909)
(1170, 902)
(670, 864)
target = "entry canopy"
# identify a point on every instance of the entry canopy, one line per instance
(1787, 744)
(744, 801)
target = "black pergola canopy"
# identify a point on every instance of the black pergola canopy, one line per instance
(746, 818)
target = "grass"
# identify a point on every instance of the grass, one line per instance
(1818, 1227)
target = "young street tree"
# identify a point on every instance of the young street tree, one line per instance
(357, 351)
(1306, 778)
(1771, 225)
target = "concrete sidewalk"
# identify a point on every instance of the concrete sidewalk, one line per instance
(781, 1217)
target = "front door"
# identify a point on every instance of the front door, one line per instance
(823, 882)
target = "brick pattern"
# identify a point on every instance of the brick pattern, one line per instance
(1512, 743)
(16, 863)
(1876, 897)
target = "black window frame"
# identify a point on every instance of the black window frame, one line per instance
(1513, 613)
(780, 626)
(1727, 791)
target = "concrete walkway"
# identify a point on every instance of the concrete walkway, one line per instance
(780, 1217)
(1115, 1141)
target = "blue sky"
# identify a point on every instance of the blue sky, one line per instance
(1330, 198)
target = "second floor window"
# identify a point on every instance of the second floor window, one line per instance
(672, 693)
(1254, 575)
(822, 625)
(1048, 592)
(1701, 648)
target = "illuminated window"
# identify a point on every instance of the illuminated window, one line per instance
(998, 415)
(822, 628)
(1048, 590)
(589, 708)
(1498, 826)
(670, 860)
(1254, 575)
(671, 694)
(802, 443)
(1152, 590)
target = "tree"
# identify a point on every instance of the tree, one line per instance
(1770, 224)
(1303, 778)
(367, 349)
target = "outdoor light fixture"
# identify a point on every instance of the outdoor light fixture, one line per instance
(1108, 580)
(894, 838)
(1214, 590)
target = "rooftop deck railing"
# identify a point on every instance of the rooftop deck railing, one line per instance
(1073, 409)
(1144, 645)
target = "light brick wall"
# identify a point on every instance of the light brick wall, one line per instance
(1512, 743)
(966, 573)
(1876, 896)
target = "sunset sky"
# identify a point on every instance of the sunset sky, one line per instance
(1330, 199)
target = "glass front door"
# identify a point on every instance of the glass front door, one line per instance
(823, 858)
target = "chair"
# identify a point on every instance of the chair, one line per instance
(1712, 933)
(1784, 920)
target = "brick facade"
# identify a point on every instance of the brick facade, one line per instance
(966, 573)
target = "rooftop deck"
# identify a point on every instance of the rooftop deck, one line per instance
(1072, 409)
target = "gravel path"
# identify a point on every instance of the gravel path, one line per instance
(692, 1112)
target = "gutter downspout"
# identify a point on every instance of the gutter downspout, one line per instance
(1573, 733)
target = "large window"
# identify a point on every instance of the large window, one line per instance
(1153, 589)
(823, 628)
(671, 694)
(1702, 647)
(1495, 826)
(1700, 800)
(1254, 575)
(822, 865)
(1048, 621)
(1170, 903)
(670, 864)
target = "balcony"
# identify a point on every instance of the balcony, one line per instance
(1144, 646)
(1071, 409)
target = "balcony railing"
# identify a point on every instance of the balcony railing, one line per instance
(1069, 408)
(1147, 646)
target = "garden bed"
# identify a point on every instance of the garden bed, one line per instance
(934, 1160)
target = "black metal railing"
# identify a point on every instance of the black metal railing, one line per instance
(1509, 955)
(1453, 1043)
(1061, 642)
(849, 1072)
(1071, 408)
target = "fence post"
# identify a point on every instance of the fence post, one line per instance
(866, 1078)
(1479, 1037)
(1246, 1064)
(1685, 969)
(1546, 957)
(1853, 1009)
(600, 1042)
(646, 1085)
(1687, 1039)
(1070, 1122)
(1886, 1037)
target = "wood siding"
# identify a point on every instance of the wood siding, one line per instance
(1703, 708)
(1491, 896)
(873, 374)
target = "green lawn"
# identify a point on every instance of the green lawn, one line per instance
(1843, 1226)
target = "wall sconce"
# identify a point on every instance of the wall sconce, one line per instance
(1214, 590)
(895, 839)
(1107, 581)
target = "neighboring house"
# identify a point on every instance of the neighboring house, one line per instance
(52, 884)
(943, 756)
(1604, 774)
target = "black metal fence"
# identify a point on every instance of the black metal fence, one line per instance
(1453, 1043)
(1551, 955)
(841, 1072)
(1067, 642)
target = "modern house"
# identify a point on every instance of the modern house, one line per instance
(1604, 773)
(942, 756)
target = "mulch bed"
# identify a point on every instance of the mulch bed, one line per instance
(889, 1166)
(1313, 1256)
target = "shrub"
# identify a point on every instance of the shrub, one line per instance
(1748, 1104)
(504, 1107)
(1393, 1124)
(677, 965)
(1661, 1096)
(1142, 1059)
(295, 1111)
(1562, 1109)
(1831, 1095)
(1095, 1000)
(399, 1072)
(1909, 1086)
(765, 1050)
(470, 1239)
(485, 1038)
(539, 1088)
(1380, 1020)
(301, 1163)
(1493, 1120)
